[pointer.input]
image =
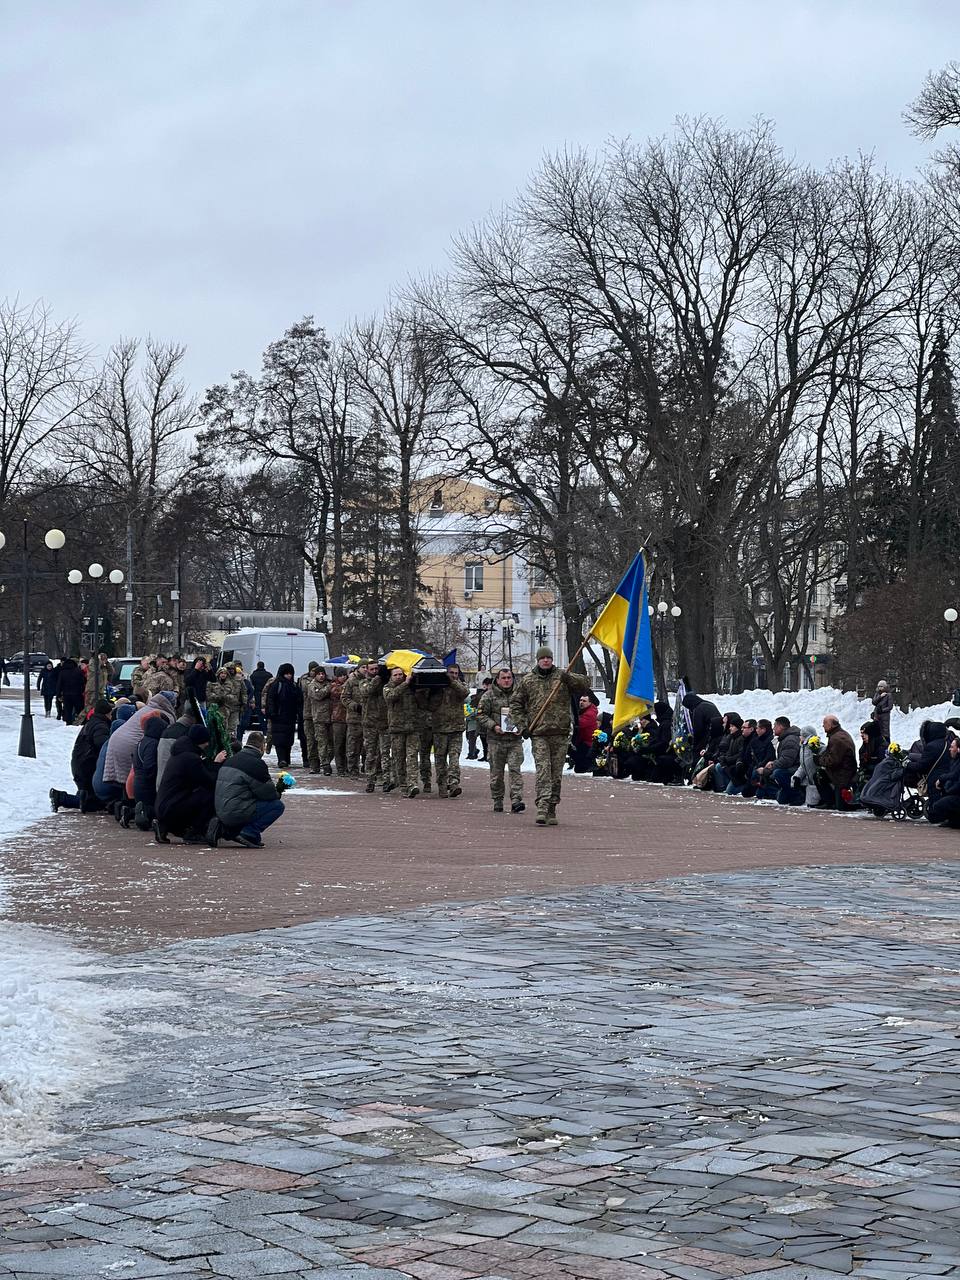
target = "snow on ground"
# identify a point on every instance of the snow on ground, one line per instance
(57, 1040)
(810, 706)
(25, 784)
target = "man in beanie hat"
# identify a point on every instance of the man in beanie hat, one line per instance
(541, 710)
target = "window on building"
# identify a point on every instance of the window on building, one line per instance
(473, 577)
(814, 631)
(436, 502)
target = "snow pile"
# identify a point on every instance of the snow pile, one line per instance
(811, 705)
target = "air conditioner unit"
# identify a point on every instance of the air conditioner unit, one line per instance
(468, 595)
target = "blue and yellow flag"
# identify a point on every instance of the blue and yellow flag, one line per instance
(624, 628)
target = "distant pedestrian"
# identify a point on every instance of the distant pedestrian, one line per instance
(541, 711)
(882, 706)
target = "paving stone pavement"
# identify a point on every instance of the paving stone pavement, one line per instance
(750, 1074)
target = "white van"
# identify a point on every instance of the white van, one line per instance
(274, 645)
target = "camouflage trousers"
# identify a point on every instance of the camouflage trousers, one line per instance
(376, 755)
(354, 747)
(324, 742)
(311, 755)
(338, 735)
(405, 756)
(506, 755)
(425, 737)
(549, 756)
(446, 752)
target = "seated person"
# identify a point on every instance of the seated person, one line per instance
(247, 802)
(944, 793)
(185, 803)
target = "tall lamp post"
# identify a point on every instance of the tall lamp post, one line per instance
(659, 619)
(507, 631)
(75, 577)
(950, 616)
(54, 541)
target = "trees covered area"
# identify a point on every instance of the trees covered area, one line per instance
(694, 344)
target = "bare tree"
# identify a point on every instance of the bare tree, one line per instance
(44, 382)
(403, 393)
(937, 106)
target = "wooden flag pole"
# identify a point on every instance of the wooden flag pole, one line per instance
(553, 692)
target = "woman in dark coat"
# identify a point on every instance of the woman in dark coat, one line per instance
(284, 701)
(48, 682)
(873, 748)
(185, 801)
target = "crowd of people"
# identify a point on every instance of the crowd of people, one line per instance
(694, 744)
(183, 753)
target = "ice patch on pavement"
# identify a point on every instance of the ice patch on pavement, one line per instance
(58, 1040)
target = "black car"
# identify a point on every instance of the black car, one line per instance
(37, 661)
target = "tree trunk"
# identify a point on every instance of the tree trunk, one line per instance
(693, 569)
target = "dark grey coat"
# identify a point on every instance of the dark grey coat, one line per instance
(242, 781)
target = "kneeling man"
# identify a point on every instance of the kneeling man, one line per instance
(246, 800)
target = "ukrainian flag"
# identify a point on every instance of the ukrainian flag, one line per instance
(624, 628)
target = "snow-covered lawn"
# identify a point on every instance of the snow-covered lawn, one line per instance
(57, 1040)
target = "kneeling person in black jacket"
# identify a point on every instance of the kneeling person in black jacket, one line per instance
(185, 803)
(246, 799)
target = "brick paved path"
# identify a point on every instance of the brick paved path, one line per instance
(337, 854)
(744, 1074)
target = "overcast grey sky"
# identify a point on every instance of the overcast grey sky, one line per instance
(210, 170)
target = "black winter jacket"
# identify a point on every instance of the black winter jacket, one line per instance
(145, 761)
(284, 703)
(242, 781)
(86, 751)
(71, 681)
(186, 772)
(701, 715)
(787, 750)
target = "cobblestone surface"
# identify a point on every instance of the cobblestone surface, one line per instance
(337, 852)
(752, 1074)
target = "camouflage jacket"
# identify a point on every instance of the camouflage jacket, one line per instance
(488, 713)
(448, 716)
(404, 713)
(316, 701)
(156, 682)
(352, 697)
(230, 694)
(370, 689)
(535, 690)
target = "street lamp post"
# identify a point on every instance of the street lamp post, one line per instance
(54, 540)
(659, 618)
(508, 634)
(115, 577)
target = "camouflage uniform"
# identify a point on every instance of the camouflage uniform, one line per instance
(320, 708)
(227, 694)
(448, 721)
(353, 701)
(311, 755)
(156, 682)
(428, 702)
(405, 721)
(376, 734)
(338, 725)
(505, 749)
(551, 734)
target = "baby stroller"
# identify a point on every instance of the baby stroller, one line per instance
(888, 792)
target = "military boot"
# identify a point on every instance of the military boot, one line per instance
(371, 786)
(517, 807)
(498, 806)
(541, 818)
(426, 787)
(552, 820)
